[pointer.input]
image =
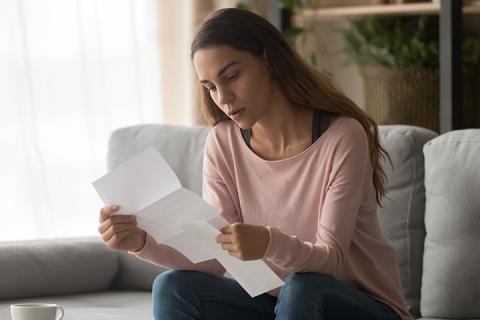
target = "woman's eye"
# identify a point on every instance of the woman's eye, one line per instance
(235, 76)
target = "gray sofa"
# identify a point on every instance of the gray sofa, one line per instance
(432, 217)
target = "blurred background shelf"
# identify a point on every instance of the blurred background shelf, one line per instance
(332, 13)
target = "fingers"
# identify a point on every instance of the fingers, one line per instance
(107, 211)
(231, 228)
(229, 247)
(115, 240)
(224, 238)
(232, 249)
(228, 244)
(117, 229)
(113, 220)
(227, 229)
(229, 233)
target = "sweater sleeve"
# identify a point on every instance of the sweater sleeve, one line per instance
(216, 191)
(338, 216)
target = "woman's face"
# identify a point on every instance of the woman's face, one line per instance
(238, 82)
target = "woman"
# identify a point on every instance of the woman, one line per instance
(294, 167)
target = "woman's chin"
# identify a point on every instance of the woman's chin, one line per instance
(243, 124)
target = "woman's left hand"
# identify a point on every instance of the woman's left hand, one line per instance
(244, 241)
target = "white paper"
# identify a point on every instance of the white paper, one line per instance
(254, 276)
(162, 218)
(190, 248)
(145, 186)
(138, 182)
(188, 245)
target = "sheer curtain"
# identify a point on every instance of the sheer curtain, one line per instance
(71, 71)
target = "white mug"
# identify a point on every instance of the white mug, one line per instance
(36, 311)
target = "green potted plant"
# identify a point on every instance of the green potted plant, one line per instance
(398, 58)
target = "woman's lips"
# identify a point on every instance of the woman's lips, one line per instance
(236, 114)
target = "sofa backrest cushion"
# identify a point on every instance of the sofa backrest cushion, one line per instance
(55, 267)
(134, 273)
(451, 263)
(181, 147)
(402, 214)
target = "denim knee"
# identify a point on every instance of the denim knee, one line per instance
(173, 297)
(300, 296)
(304, 282)
(305, 288)
(168, 283)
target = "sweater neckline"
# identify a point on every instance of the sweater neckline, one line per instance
(313, 146)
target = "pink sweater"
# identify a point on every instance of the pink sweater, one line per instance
(319, 207)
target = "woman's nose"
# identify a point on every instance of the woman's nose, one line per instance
(224, 97)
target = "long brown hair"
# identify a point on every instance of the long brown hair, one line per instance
(302, 85)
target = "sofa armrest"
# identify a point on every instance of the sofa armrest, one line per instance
(55, 267)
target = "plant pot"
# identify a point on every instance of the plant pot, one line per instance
(409, 96)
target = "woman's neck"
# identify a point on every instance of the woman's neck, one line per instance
(283, 127)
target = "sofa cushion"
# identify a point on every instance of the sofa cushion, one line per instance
(181, 147)
(403, 211)
(450, 285)
(106, 305)
(134, 273)
(54, 267)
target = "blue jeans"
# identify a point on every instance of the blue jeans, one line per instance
(189, 295)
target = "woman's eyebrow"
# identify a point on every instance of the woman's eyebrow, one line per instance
(222, 70)
(225, 68)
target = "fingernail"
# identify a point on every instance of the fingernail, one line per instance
(114, 207)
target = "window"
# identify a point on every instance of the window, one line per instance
(71, 72)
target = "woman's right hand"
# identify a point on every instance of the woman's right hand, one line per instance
(120, 232)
